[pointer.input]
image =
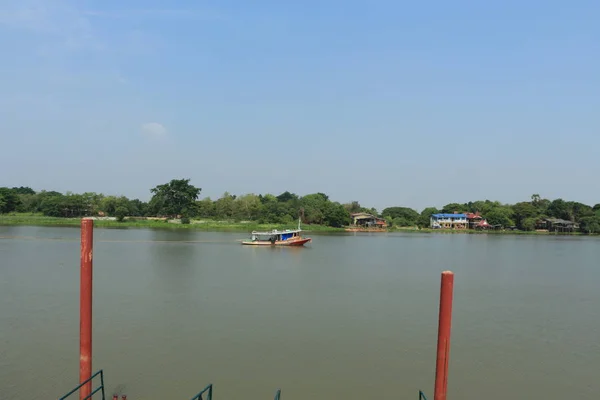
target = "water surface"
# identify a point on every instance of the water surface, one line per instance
(351, 316)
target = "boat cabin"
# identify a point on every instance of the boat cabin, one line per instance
(276, 235)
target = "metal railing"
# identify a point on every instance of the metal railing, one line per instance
(94, 391)
(422, 396)
(207, 390)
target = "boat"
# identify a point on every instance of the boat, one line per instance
(287, 237)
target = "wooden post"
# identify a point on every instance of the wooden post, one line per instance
(85, 307)
(443, 346)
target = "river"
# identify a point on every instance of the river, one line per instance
(351, 316)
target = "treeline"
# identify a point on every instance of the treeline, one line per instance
(179, 198)
(523, 215)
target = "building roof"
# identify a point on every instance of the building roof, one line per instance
(559, 221)
(474, 215)
(364, 216)
(442, 215)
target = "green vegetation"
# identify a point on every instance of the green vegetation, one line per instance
(204, 225)
(178, 199)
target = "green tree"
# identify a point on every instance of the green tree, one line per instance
(524, 211)
(527, 224)
(406, 216)
(247, 207)
(559, 209)
(500, 216)
(580, 210)
(9, 200)
(23, 190)
(177, 197)
(335, 215)
(314, 207)
(455, 207)
(590, 224)
(121, 212)
(224, 207)
(353, 207)
(286, 197)
(137, 208)
(425, 216)
(206, 208)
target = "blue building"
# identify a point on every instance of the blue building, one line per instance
(449, 221)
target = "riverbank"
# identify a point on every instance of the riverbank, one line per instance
(485, 232)
(204, 224)
(242, 226)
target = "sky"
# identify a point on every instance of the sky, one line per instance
(390, 103)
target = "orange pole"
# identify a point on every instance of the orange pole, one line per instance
(85, 307)
(443, 346)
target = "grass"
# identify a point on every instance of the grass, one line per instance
(203, 225)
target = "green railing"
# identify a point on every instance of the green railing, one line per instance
(422, 396)
(94, 391)
(207, 390)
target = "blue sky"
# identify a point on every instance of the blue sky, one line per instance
(385, 102)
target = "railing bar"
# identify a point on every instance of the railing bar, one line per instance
(102, 385)
(83, 383)
(93, 393)
(199, 395)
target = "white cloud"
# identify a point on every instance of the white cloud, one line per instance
(154, 130)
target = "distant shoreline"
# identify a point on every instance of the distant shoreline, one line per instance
(200, 225)
(246, 226)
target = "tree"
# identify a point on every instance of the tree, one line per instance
(286, 196)
(353, 207)
(206, 208)
(559, 209)
(402, 216)
(336, 215)
(224, 206)
(425, 216)
(580, 210)
(137, 208)
(121, 212)
(177, 197)
(23, 190)
(590, 224)
(247, 207)
(9, 200)
(454, 207)
(500, 216)
(527, 224)
(524, 211)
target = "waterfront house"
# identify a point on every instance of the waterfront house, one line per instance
(448, 221)
(557, 225)
(483, 225)
(366, 220)
(474, 219)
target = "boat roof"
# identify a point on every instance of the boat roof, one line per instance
(276, 232)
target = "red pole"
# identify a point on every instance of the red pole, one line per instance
(85, 310)
(443, 347)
